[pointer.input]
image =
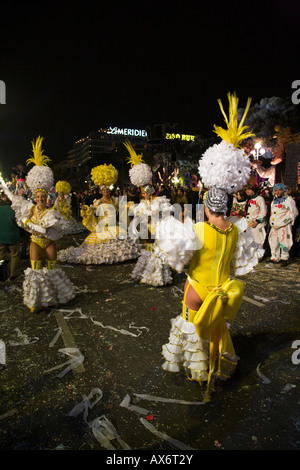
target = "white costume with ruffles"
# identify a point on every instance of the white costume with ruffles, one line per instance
(42, 287)
(151, 267)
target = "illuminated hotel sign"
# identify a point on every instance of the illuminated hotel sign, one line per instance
(131, 132)
(180, 137)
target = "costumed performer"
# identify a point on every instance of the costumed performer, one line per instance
(283, 215)
(151, 268)
(108, 242)
(42, 287)
(199, 339)
(63, 206)
(257, 212)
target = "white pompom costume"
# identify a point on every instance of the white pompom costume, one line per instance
(42, 287)
(151, 267)
(199, 341)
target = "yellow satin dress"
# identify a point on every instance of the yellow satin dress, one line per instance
(209, 275)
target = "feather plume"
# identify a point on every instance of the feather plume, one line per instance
(235, 133)
(38, 158)
(134, 159)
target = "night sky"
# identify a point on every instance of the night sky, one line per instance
(70, 69)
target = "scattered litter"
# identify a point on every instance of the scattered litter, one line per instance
(24, 339)
(262, 376)
(102, 428)
(122, 331)
(126, 404)
(85, 405)
(104, 431)
(55, 337)
(254, 302)
(2, 353)
(70, 313)
(151, 428)
(168, 400)
(76, 360)
(8, 413)
(288, 387)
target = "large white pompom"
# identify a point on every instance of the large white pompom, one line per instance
(40, 177)
(140, 174)
(224, 167)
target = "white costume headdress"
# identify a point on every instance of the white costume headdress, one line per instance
(140, 174)
(40, 177)
(224, 166)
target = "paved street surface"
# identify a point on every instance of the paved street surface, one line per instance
(114, 373)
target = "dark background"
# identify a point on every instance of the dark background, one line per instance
(76, 67)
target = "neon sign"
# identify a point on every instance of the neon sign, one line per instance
(131, 132)
(181, 137)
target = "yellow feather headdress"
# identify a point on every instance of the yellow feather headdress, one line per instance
(134, 159)
(38, 158)
(235, 133)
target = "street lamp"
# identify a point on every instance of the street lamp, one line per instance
(259, 151)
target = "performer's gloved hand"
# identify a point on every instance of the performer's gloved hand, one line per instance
(3, 186)
(36, 228)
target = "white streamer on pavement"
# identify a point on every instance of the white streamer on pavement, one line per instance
(55, 337)
(178, 444)
(122, 331)
(168, 400)
(24, 339)
(85, 405)
(76, 360)
(126, 404)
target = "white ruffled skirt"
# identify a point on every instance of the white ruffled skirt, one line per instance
(186, 351)
(151, 268)
(109, 252)
(46, 287)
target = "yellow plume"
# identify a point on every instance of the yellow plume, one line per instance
(234, 134)
(38, 158)
(134, 159)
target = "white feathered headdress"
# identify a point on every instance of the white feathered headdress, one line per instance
(40, 177)
(140, 174)
(225, 165)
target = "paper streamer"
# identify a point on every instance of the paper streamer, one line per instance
(102, 428)
(76, 360)
(70, 313)
(2, 352)
(58, 334)
(126, 404)
(174, 442)
(262, 376)
(85, 405)
(8, 413)
(122, 331)
(24, 339)
(104, 431)
(168, 400)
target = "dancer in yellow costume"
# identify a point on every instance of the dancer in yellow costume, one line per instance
(63, 206)
(199, 339)
(108, 242)
(41, 287)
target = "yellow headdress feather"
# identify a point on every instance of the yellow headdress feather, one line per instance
(134, 159)
(38, 158)
(234, 134)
